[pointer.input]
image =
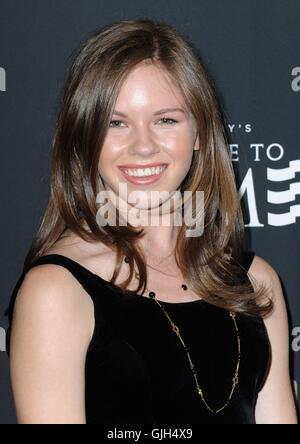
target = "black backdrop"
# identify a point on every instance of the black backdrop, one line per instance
(252, 49)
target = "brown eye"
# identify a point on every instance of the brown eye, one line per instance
(167, 120)
(115, 121)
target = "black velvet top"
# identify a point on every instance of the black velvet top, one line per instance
(137, 371)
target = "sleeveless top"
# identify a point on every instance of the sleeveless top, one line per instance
(137, 371)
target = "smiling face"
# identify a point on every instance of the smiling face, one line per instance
(146, 148)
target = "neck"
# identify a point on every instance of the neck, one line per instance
(159, 242)
(160, 233)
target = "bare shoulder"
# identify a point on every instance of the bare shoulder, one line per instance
(95, 256)
(275, 402)
(263, 272)
(50, 288)
(51, 330)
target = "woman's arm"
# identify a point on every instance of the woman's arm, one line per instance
(50, 334)
(275, 402)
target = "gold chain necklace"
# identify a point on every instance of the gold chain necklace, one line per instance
(175, 328)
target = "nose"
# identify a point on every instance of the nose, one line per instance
(143, 144)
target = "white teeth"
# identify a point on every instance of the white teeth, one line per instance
(141, 172)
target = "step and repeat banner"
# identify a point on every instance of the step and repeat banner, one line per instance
(252, 50)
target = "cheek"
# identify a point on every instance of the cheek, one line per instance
(106, 160)
(111, 150)
(180, 145)
(104, 169)
(182, 156)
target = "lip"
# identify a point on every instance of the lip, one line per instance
(143, 180)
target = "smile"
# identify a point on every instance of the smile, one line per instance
(143, 175)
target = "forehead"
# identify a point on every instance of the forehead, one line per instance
(150, 84)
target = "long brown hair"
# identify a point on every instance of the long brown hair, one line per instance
(210, 263)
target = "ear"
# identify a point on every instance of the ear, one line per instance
(196, 145)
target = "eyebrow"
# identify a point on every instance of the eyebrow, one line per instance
(160, 111)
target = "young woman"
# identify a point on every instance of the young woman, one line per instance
(143, 324)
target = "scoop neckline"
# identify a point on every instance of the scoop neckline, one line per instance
(110, 284)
